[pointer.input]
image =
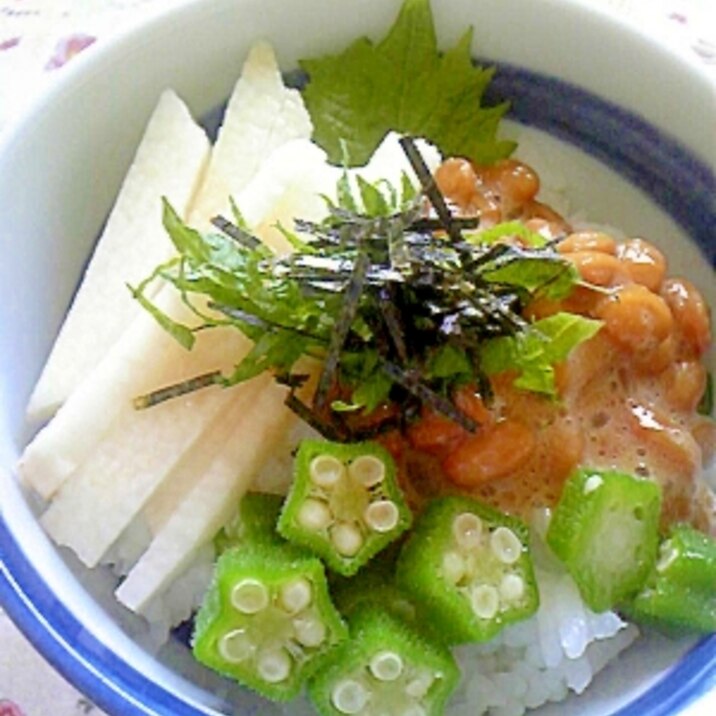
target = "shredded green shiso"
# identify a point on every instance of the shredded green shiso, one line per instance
(398, 306)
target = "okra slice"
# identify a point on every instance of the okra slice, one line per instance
(255, 521)
(605, 530)
(344, 504)
(267, 619)
(469, 567)
(385, 669)
(680, 593)
(374, 585)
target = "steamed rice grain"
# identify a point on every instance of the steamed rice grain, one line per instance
(557, 651)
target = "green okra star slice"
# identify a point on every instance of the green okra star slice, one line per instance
(468, 566)
(605, 530)
(255, 521)
(344, 504)
(680, 593)
(267, 619)
(385, 668)
(374, 585)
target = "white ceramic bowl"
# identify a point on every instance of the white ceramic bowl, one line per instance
(632, 124)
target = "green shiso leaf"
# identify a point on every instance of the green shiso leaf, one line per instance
(395, 311)
(180, 333)
(504, 230)
(403, 83)
(552, 279)
(534, 352)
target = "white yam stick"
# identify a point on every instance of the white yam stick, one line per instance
(262, 114)
(195, 463)
(169, 162)
(101, 497)
(134, 367)
(145, 358)
(211, 501)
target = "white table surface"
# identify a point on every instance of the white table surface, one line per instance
(37, 38)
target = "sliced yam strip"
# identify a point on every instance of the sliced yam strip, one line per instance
(298, 189)
(195, 463)
(211, 501)
(145, 358)
(133, 367)
(121, 471)
(289, 185)
(142, 449)
(262, 114)
(389, 161)
(169, 162)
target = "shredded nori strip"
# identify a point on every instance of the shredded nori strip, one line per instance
(427, 181)
(391, 317)
(331, 430)
(375, 298)
(236, 233)
(149, 400)
(340, 330)
(431, 224)
(414, 384)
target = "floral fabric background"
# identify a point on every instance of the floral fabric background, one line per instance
(37, 39)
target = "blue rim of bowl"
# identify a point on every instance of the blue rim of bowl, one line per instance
(670, 174)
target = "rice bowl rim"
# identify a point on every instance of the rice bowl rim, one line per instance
(51, 626)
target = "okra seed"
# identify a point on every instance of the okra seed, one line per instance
(309, 630)
(485, 601)
(274, 666)
(236, 646)
(505, 545)
(346, 538)
(349, 696)
(367, 470)
(386, 666)
(381, 515)
(467, 529)
(419, 686)
(296, 595)
(326, 470)
(314, 515)
(250, 596)
(453, 567)
(512, 587)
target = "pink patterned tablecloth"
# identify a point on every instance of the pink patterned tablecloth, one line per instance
(37, 39)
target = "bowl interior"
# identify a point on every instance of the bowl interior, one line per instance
(61, 166)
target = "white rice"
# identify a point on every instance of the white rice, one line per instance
(557, 651)
(543, 659)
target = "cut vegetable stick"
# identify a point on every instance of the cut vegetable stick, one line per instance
(262, 114)
(169, 161)
(145, 358)
(61, 447)
(102, 497)
(211, 502)
(389, 161)
(195, 463)
(290, 184)
(141, 450)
